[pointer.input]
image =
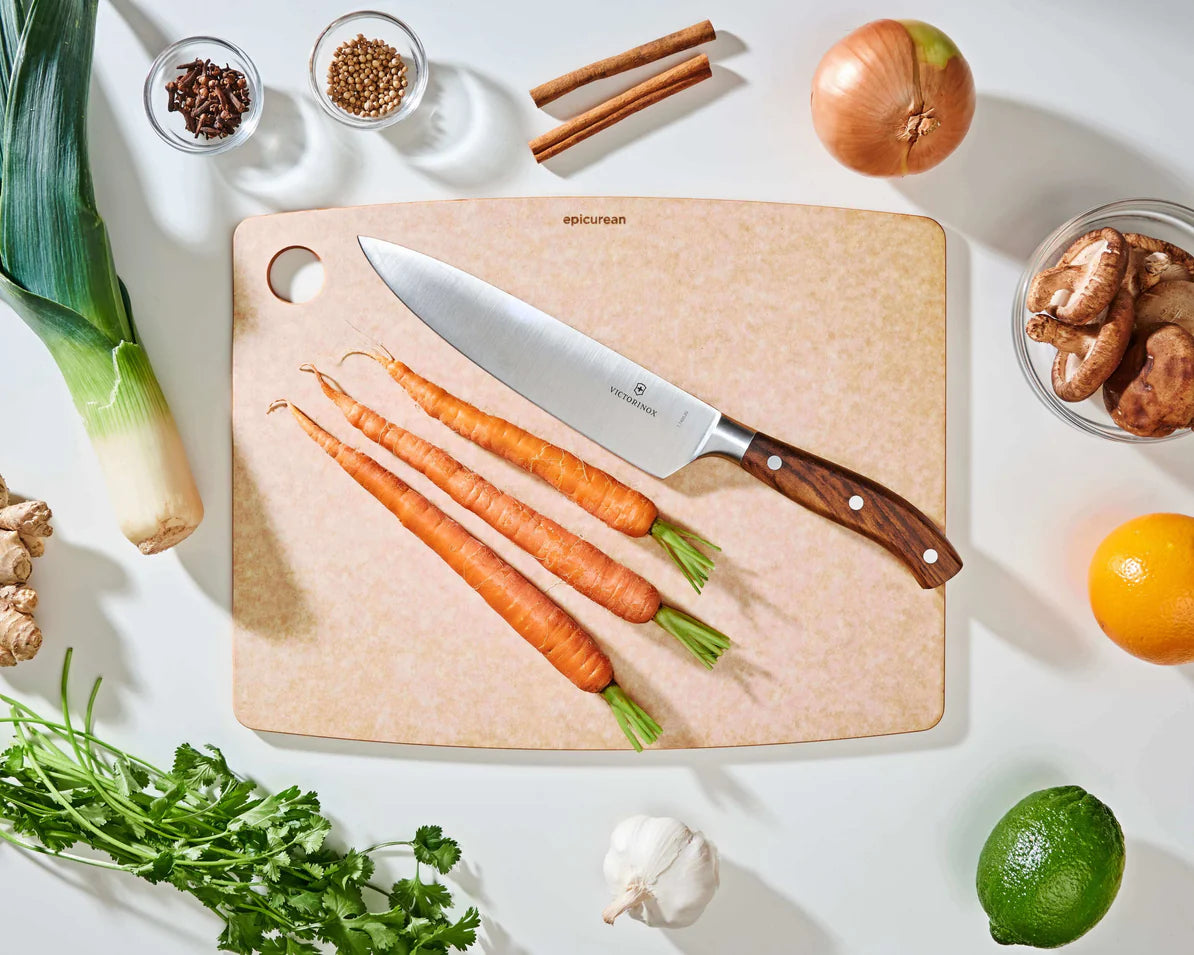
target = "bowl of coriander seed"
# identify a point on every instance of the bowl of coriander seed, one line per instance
(368, 70)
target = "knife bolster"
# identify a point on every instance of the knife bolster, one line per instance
(728, 439)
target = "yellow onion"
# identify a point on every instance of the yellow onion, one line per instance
(894, 97)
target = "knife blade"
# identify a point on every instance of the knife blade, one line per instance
(639, 416)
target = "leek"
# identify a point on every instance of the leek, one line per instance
(58, 275)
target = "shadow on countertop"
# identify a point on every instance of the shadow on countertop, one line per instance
(294, 160)
(72, 583)
(1044, 166)
(1152, 912)
(466, 134)
(748, 915)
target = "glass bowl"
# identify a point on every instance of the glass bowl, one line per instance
(169, 126)
(1155, 217)
(373, 26)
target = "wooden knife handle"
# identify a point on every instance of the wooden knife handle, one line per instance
(855, 502)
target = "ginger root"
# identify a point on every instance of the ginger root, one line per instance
(15, 560)
(28, 518)
(24, 527)
(20, 639)
(19, 597)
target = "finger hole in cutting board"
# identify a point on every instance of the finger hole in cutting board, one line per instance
(295, 275)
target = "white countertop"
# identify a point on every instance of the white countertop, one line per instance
(840, 848)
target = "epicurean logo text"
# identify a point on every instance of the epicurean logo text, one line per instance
(639, 389)
(594, 220)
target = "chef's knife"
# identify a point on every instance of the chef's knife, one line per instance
(637, 415)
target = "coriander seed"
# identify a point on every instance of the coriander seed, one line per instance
(366, 78)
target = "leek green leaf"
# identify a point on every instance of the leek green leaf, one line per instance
(52, 239)
(57, 271)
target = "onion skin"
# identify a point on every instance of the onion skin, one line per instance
(894, 97)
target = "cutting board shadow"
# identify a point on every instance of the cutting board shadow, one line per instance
(822, 326)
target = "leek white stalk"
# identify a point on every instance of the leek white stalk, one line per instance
(139, 449)
(59, 276)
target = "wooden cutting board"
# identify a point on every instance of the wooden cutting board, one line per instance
(822, 326)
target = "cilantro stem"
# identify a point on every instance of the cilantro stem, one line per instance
(69, 809)
(387, 845)
(32, 847)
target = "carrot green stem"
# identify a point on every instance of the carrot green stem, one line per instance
(631, 717)
(703, 641)
(681, 546)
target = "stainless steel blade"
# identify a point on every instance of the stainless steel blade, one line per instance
(619, 404)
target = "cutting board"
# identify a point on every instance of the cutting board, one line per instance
(822, 326)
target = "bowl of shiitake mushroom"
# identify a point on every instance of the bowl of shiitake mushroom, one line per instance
(1103, 321)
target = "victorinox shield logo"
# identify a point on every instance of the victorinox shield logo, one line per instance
(640, 389)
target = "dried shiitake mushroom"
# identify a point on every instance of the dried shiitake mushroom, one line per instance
(1084, 281)
(1168, 301)
(1086, 354)
(1151, 393)
(1158, 260)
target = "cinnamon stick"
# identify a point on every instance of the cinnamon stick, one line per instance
(684, 39)
(612, 111)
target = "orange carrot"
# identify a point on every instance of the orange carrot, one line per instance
(578, 563)
(535, 617)
(601, 494)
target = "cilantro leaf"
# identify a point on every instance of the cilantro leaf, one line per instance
(458, 935)
(343, 902)
(432, 847)
(314, 834)
(242, 934)
(199, 770)
(284, 945)
(130, 778)
(355, 868)
(422, 899)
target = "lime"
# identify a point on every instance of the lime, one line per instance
(1050, 868)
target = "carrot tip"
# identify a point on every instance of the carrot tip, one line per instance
(375, 355)
(326, 382)
(632, 718)
(681, 546)
(276, 404)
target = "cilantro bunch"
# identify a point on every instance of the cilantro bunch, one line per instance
(260, 862)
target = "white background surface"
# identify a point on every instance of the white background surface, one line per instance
(853, 847)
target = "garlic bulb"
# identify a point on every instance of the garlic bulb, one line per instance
(660, 872)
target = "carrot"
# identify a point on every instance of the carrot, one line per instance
(601, 494)
(538, 620)
(578, 563)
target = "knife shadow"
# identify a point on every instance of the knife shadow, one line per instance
(707, 475)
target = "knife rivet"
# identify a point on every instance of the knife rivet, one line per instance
(930, 556)
(856, 503)
(775, 462)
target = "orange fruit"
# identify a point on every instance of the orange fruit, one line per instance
(1142, 587)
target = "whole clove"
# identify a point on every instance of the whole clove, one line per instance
(211, 99)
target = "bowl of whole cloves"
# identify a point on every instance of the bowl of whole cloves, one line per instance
(1103, 321)
(203, 95)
